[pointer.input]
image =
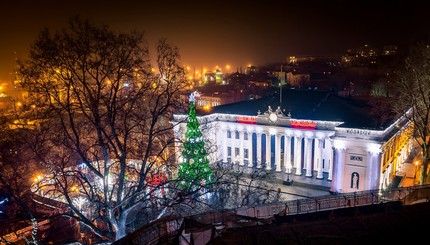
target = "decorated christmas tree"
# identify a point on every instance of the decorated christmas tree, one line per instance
(194, 172)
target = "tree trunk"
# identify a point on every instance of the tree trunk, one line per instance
(424, 172)
(120, 233)
(120, 225)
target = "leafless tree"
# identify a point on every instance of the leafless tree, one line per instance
(104, 113)
(413, 95)
(17, 209)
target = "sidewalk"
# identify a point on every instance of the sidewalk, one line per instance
(301, 186)
(293, 192)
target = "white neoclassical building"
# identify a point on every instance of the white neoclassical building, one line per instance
(308, 136)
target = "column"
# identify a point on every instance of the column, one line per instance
(224, 146)
(268, 151)
(278, 152)
(373, 170)
(330, 169)
(369, 172)
(241, 148)
(287, 154)
(250, 157)
(308, 154)
(333, 187)
(318, 157)
(298, 155)
(339, 163)
(329, 159)
(233, 147)
(382, 162)
(258, 150)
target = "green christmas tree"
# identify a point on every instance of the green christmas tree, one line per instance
(194, 171)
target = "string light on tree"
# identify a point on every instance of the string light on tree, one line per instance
(194, 172)
(1, 202)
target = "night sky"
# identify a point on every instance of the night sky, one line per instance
(210, 33)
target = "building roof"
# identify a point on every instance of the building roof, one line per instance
(309, 105)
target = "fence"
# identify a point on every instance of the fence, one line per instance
(163, 229)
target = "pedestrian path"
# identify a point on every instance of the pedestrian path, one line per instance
(300, 186)
(293, 192)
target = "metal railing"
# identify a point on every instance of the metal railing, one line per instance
(306, 205)
(163, 229)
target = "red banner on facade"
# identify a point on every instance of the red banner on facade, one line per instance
(245, 119)
(303, 124)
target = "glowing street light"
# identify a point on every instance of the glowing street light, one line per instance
(416, 171)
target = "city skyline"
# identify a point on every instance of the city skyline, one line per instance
(224, 33)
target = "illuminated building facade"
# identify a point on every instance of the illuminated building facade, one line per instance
(316, 135)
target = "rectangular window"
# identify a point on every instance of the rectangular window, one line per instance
(228, 134)
(237, 134)
(245, 153)
(229, 151)
(323, 144)
(236, 151)
(245, 136)
(323, 163)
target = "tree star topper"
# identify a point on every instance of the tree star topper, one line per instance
(193, 96)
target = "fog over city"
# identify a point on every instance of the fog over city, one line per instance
(221, 33)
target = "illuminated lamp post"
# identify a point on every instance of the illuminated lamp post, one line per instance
(288, 170)
(415, 172)
(288, 181)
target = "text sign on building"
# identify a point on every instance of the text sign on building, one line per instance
(303, 124)
(356, 158)
(358, 132)
(246, 119)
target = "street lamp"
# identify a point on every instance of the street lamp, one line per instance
(416, 170)
(289, 181)
(237, 161)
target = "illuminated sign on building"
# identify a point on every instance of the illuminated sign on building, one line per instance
(303, 124)
(358, 131)
(246, 119)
